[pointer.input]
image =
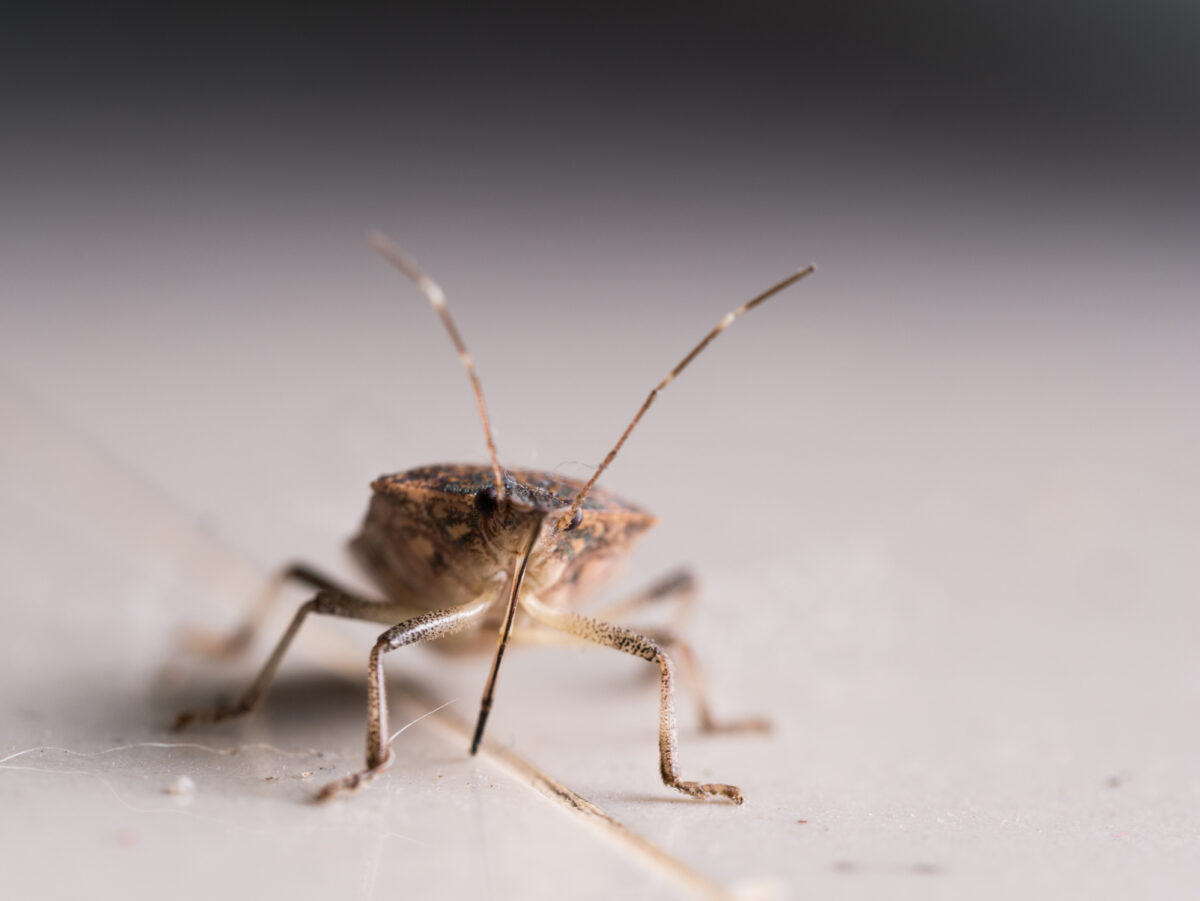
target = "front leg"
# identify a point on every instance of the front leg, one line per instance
(425, 627)
(680, 586)
(638, 645)
(682, 651)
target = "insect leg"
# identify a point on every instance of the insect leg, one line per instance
(329, 601)
(682, 651)
(630, 642)
(225, 646)
(425, 627)
(679, 585)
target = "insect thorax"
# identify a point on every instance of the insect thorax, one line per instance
(428, 539)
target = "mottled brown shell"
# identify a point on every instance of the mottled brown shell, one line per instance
(426, 543)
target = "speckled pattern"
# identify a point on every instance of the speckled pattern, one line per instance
(526, 485)
(425, 542)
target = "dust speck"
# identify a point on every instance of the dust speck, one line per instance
(181, 787)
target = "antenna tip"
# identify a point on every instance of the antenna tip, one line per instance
(384, 246)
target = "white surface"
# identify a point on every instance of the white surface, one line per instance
(950, 549)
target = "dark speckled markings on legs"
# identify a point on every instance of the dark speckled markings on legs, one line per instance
(426, 627)
(328, 600)
(630, 642)
(458, 550)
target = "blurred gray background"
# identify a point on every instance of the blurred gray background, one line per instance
(941, 496)
(185, 195)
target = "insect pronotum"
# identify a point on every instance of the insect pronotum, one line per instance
(458, 551)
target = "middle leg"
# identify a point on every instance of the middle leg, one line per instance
(329, 601)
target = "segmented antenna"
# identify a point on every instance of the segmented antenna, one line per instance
(695, 352)
(510, 612)
(437, 298)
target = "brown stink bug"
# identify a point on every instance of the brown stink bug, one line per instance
(461, 550)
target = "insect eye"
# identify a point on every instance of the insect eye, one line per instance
(575, 521)
(485, 501)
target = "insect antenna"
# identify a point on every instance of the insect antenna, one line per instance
(510, 612)
(679, 367)
(390, 252)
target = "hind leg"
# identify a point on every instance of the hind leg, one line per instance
(233, 644)
(678, 586)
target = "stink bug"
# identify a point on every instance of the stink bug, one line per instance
(464, 550)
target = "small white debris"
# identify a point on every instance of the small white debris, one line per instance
(182, 786)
